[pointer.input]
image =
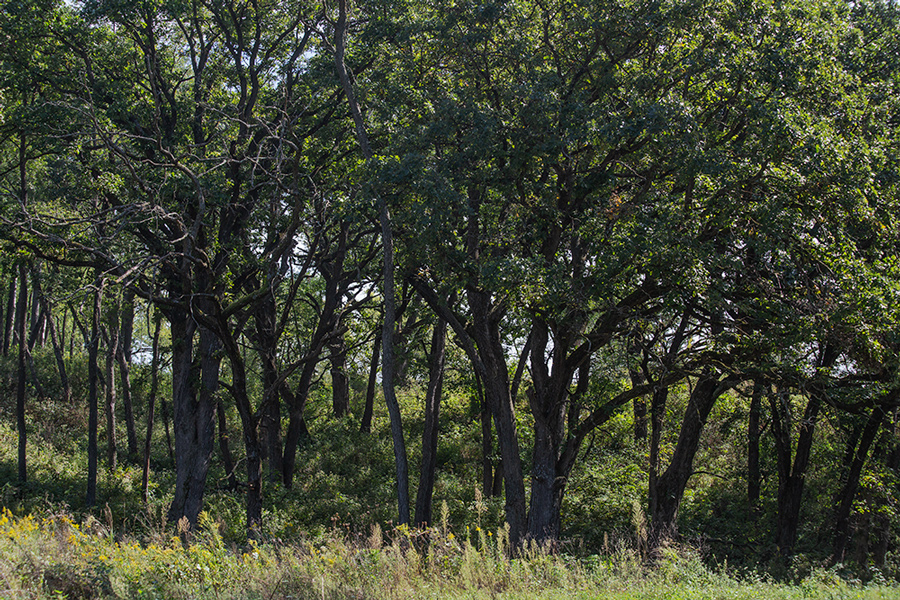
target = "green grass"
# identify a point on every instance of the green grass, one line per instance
(53, 556)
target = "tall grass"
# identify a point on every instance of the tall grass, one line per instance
(53, 556)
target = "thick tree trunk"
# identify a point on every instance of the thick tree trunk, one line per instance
(20, 386)
(194, 415)
(657, 418)
(671, 484)
(365, 424)
(848, 492)
(432, 419)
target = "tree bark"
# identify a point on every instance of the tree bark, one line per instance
(93, 340)
(495, 379)
(365, 425)
(432, 418)
(848, 492)
(123, 358)
(9, 323)
(54, 340)
(20, 385)
(112, 448)
(151, 406)
(225, 447)
(270, 421)
(194, 414)
(753, 435)
(671, 484)
(340, 383)
(387, 368)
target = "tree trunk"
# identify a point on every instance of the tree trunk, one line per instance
(387, 237)
(365, 425)
(270, 421)
(889, 449)
(495, 379)
(487, 450)
(194, 415)
(9, 322)
(123, 358)
(340, 383)
(296, 429)
(112, 448)
(848, 493)
(54, 340)
(20, 386)
(791, 478)
(753, 434)
(640, 403)
(657, 418)
(671, 484)
(225, 447)
(432, 419)
(151, 405)
(93, 340)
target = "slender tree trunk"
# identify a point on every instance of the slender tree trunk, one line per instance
(54, 340)
(151, 405)
(225, 447)
(20, 386)
(639, 404)
(9, 326)
(753, 434)
(487, 449)
(791, 477)
(657, 418)
(296, 429)
(340, 383)
(365, 425)
(889, 450)
(123, 358)
(93, 392)
(432, 419)
(387, 368)
(112, 447)
(36, 319)
(848, 493)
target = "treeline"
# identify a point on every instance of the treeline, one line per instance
(597, 205)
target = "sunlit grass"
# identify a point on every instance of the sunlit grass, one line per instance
(54, 556)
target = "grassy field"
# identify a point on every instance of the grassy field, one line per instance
(53, 556)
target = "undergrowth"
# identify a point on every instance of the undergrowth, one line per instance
(53, 556)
